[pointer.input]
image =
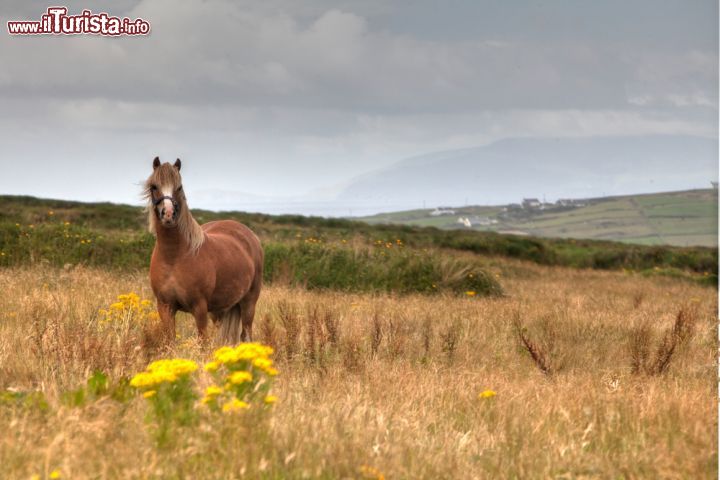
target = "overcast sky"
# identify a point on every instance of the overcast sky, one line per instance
(281, 98)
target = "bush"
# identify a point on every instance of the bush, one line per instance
(384, 268)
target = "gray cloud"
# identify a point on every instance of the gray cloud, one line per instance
(288, 97)
(218, 52)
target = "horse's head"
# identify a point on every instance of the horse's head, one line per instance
(164, 192)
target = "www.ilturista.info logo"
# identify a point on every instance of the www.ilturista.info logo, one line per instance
(57, 22)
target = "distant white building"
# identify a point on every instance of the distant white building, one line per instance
(441, 211)
(569, 202)
(465, 221)
(530, 203)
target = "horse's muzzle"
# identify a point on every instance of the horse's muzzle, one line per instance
(168, 213)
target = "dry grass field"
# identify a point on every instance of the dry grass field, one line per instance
(595, 374)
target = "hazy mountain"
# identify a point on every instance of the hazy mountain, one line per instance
(317, 202)
(508, 170)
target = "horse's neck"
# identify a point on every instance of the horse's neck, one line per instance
(171, 243)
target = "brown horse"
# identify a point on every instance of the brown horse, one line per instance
(213, 269)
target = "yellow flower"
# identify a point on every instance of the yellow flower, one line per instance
(223, 353)
(55, 474)
(487, 394)
(265, 364)
(212, 366)
(262, 363)
(163, 371)
(270, 399)
(177, 366)
(235, 405)
(150, 393)
(371, 472)
(470, 293)
(144, 379)
(129, 304)
(213, 391)
(244, 351)
(238, 378)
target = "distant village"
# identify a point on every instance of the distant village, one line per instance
(513, 210)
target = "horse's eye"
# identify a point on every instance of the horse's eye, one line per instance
(179, 188)
(153, 187)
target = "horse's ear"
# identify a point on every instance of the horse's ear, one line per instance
(156, 163)
(177, 164)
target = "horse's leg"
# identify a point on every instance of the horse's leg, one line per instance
(247, 305)
(201, 320)
(247, 310)
(167, 318)
(247, 313)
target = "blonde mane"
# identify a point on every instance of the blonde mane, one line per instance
(167, 176)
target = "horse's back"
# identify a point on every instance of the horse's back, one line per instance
(223, 232)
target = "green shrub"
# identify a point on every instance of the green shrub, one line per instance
(330, 266)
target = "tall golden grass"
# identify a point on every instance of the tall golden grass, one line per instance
(382, 385)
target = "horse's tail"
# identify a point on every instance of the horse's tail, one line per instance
(230, 326)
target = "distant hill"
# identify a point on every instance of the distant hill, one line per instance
(683, 218)
(509, 170)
